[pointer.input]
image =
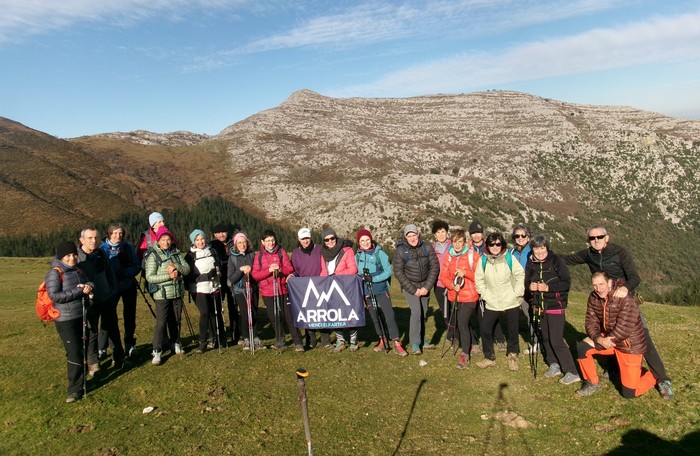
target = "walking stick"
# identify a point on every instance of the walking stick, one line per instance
(249, 307)
(85, 346)
(367, 277)
(537, 310)
(301, 375)
(217, 285)
(143, 294)
(275, 303)
(457, 281)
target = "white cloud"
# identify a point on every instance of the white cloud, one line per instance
(657, 40)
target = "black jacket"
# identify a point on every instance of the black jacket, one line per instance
(415, 267)
(613, 260)
(554, 272)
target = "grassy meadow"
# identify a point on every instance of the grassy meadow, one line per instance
(362, 403)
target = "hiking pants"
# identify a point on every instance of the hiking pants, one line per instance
(652, 357)
(128, 298)
(490, 322)
(419, 309)
(634, 384)
(445, 311)
(167, 313)
(286, 311)
(311, 338)
(71, 334)
(384, 304)
(207, 319)
(242, 304)
(105, 314)
(498, 335)
(555, 348)
(465, 310)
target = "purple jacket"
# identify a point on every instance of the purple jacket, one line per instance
(307, 264)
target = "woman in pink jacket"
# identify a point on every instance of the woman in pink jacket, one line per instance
(271, 266)
(338, 258)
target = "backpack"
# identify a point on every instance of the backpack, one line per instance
(260, 255)
(509, 260)
(44, 305)
(152, 288)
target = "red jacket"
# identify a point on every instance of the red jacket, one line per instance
(261, 270)
(450, 264)
(345, 263)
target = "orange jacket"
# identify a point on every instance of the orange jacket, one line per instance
(450, 264)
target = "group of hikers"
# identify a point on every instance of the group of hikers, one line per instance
(482, 285)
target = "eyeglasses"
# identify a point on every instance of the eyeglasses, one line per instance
(330, 239)
(520, 236)
(494, 244)
(599, 237)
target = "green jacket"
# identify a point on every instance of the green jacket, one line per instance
(156, 266)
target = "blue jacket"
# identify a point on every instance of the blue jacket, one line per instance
(377, 262)
(125, 264)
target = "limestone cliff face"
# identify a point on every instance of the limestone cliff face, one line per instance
(500, 157)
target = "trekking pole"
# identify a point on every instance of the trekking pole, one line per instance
(275, 303)
(457, 281)
(143, 294)
(216, 319)
(302, 374)
(367, 277)
(221, 307)
(85, 345)
(249, 307)
(537, 310)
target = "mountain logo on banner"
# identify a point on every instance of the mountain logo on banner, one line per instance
(327, 302)
(325, 296)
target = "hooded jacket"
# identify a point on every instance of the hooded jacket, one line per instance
(377, 262)
(555, 273)
(261, 270)
(157, 274)
(500, 287)
(67, 297)
(467, 260)
(416, 267)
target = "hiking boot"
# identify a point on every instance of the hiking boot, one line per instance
(354, 347)
(398, 348)
(92, 370)
(501, 346)
(513, 361)
(156, 358)
(416, 349)
(258, 344)
(532, 349)
(101, 355)
(339, 346)
(588, 389)
(179, 350)
(211, 345)
(569, 378)
(666, 391)
(484, 363)
(246, 344)
(380, 346)
(73, 397)
(278, 345)
(131, 351)
(463, 361)
(427, 345)
(476, 350)
(553, 371)
(299, 348)
(122, 364)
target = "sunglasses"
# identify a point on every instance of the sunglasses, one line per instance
(520, 236)
(599, 237)
(492, 244)
(329, 239)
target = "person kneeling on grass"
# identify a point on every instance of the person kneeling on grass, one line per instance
(614, 327)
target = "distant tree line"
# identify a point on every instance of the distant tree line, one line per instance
(203, 215)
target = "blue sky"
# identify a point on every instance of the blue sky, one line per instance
(80, 67)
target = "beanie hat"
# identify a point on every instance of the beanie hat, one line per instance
(328, 232)
(65, 248)
(304, 233)
(410, 229)
(222, 227)
(239, 235)
(475, 227)
(364, 233)
(154, 217)
(163, 231)
(194, 234)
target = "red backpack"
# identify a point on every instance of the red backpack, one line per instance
(44, 305)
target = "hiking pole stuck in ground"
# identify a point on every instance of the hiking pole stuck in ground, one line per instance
(302, 374)
(216, 319)
(537, 310)
(276, 304)
(248, 303)
(85, 345)
(367, 277)
(452, 322)
(217, 287)
(143, 294)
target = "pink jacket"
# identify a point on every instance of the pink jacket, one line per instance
(261, 270)
(345, 264)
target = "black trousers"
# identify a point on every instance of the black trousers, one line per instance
(276, 322)
(555, 348)
(102, 316)
(242, 303)
(652, 357)
(128, 298)
(71, 334)
(489, 323)
(167, 317)
(465, 310)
